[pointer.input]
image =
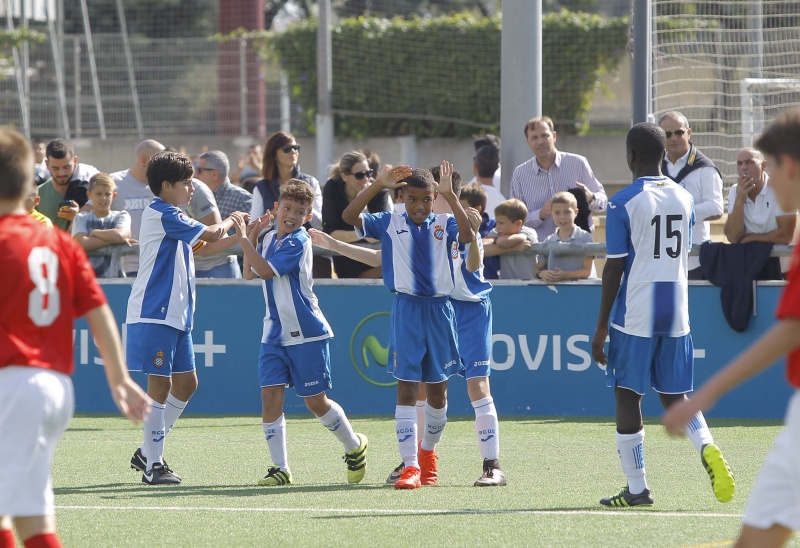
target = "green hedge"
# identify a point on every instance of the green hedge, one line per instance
(393, 67)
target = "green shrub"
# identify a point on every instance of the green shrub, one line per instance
(387, 76)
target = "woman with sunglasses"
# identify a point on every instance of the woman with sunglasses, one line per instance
(348, 178)
(279, 164)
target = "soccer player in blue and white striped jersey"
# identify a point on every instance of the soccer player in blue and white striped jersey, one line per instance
(417, 265)
(294, 344)
(648, 238)
(161, 305)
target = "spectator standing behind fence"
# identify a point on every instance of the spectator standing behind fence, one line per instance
(102, 226)
(67, 183)
(30, 205)
(558, 268)
(485, 163)
(695, 172)
(40, 172)
(754, 214)
(347, 180)
(550, 171)
(509, 237)
(281, 163)
(212, 168)
(492, 141)
(249, 164)
(134, 195)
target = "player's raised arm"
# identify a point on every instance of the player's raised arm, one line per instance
(368, 256)
(390, 179)
(445, 187)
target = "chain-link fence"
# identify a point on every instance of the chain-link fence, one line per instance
(729, 66)
(111, 68)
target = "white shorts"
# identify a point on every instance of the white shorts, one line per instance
(37, 405)
(775, 497)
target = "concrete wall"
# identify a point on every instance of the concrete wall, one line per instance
(606, 153)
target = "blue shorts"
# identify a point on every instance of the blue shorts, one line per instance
(157, 349)
(474, 328)
(305, 366)
(423, 345)
(665, 363)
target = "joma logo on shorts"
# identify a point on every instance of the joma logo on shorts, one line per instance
(311, 383)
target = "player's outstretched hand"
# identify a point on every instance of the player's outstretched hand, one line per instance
(678, 416)
(391, 178)
(239, 224)
(445, 186)
(475, 218)
(598, 345)
(256, 227)
(320, 238)
(131, 400)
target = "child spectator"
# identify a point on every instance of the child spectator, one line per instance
(421, 311)
(45, 283)
(773, 511)
(474, 196)
(294, 344)
(508, 238)
(31, 201)
(559, 268)
(102, 226)
(161, 305)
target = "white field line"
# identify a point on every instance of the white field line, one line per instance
(416, 511)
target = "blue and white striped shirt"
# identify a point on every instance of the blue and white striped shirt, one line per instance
(293, 314)
(163, 291)
(416, 259)
(650, 224)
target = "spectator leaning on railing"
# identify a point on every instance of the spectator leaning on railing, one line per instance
(754, 214)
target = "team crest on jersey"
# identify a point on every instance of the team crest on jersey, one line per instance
(438, 232)
(159, 359)
(454, 251)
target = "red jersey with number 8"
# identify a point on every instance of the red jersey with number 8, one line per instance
(46, 282)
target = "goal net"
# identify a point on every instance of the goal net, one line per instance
(730, 66)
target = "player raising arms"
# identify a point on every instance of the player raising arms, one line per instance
(417, 265)
(648, 237)
(47, 282)
(773, 510)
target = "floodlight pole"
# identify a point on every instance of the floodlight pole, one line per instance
(324, 90)
(642, 61)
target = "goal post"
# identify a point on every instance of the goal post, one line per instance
(762, 99)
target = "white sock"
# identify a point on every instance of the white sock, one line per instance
(275, 434)
(420, 414)
(173, 410)
(435, 419)
(698, 433)
(631, 455)
(487, 428)
(153, 448)
(336, 421)
(406, 430)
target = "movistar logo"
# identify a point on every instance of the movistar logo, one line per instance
(367, 351)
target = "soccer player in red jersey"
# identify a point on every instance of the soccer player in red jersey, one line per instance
(46, 282)
(773, 510)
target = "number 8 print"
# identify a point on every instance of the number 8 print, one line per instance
(44, 302)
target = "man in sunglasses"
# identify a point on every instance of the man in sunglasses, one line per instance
(695, 172)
